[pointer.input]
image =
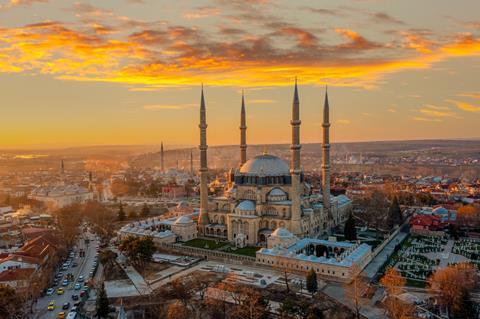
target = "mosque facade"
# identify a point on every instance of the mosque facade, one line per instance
(265, 192)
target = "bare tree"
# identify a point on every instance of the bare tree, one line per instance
(453, 284)
(394, 284)
(355, 290)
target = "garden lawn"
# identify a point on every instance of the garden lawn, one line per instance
(246, 251)
(201, 243)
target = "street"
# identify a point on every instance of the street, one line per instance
(85, 265)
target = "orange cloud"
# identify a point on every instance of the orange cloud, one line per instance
(464, 106)
(173, 55)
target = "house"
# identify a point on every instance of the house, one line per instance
(19, 279)
(16, 261)
(430, 225)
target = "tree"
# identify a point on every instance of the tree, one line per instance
(145, 211)
(11, 304)
(107, 258)
(132, 214)
(121, 213)
(102, 302)
(350, 231)
(69, 217)
(395, 216)
(463, 307)
(394, 283)
(249, 303)
(312, 284)
(177, 310)
(355, 290)
(468, 215)
(216, 301)
(444, 283)
(138, 249)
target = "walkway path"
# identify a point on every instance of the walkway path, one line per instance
(140, 284)
(446, 254)
(373, 267)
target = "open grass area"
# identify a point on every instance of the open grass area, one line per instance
(205, 243)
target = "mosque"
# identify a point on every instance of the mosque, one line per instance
(265, 193)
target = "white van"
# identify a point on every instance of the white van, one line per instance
(72, 315)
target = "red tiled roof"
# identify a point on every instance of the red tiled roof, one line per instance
(425, 220)
(21, 258)
(16, 274)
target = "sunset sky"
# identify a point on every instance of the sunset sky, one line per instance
(129, 71)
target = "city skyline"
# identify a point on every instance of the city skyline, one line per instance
(129, 72)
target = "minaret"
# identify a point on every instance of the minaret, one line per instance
(326, 157)
(203, 216)
(243, 133)
(295, 169)
(62, 168)
(191, 163)
(162, 163)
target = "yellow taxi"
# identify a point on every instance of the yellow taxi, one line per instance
(61, 315)
(60, 291)
(51, 305)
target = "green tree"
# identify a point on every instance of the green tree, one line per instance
(145, 211)
(395, 216)
(312, 284)
(102, 302)
(11, 304)
(138, 250)
(107, 258)
(121, 213)
(350, 231)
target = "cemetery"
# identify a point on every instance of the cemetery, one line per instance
(418, 256)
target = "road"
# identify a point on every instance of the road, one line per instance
(84, 267)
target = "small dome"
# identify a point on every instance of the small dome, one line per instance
(265, 165)
(282, 232)
(277, 192)
(246, 205)
(183, 220)
(440, 211)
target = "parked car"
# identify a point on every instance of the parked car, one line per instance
(66, 306)
(60, 291)
(50, 291)
(75, 297)
(77, 286)
(65, 282)
(61, 315)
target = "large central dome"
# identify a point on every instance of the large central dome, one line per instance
(265, 165)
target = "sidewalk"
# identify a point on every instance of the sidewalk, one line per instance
(372, 268)
(137, 280)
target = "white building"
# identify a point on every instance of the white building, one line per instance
(168, 230)
(62, 195)
(334, 260)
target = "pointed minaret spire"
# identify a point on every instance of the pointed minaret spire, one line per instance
(162, 158)
(191, 163)
(243, 133)
(295, 169)
(326, 158)
(203, 215)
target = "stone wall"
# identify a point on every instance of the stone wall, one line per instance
(210, 254)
